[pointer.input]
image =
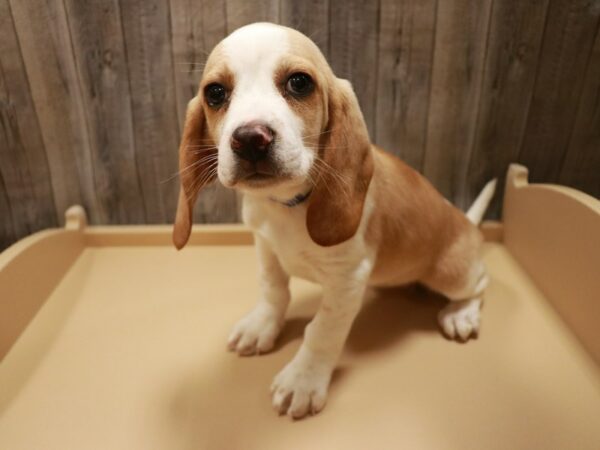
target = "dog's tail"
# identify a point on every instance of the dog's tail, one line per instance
(481, 203)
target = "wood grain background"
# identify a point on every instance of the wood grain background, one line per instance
(92, 95)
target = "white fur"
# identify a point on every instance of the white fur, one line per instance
(479, 206)
(285, 248)
(253, 53)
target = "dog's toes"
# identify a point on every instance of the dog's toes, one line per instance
(247, 345)
(300, 405)
(300, 389)
(254, 334)
(282, 400)
(317, 401)
(464, 329)
(447, 324)
(460, 319)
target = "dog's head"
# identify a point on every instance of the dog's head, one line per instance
(270, 118)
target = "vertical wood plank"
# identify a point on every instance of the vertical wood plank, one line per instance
(460, 42)
(92, 95)
(243, 12)
(406, 37)
(310, 17)
(146, 27)
(196, 28)
(353, 32)
(511, 61)
(27, 195)
(568, 41)
(7, 232)
(46, 46)
(581, 168)
(101, 61)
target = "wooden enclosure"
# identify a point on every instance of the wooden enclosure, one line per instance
(92, 95)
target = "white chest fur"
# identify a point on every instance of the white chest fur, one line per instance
(283, 228)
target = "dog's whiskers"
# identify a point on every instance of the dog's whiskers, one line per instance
(203, 178)
(208, 158)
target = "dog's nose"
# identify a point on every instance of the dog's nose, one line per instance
(252, 141)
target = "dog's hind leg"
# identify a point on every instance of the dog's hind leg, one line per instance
(460, 276)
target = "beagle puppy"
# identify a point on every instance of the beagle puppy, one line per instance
(272, 121)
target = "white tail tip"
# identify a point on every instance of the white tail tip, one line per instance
(481, 203)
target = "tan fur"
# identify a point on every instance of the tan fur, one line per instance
(420, 236)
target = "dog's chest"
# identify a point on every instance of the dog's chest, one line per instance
(284, 230)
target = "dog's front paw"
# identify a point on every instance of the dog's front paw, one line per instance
(460, 319)
(256, 332)
(301, 387)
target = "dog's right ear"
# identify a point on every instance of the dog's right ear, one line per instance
(197, 167)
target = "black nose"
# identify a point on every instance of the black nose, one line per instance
(252, 141)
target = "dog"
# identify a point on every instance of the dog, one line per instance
(272, 121)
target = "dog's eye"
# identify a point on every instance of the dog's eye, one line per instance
(215, 94)
(300, 84)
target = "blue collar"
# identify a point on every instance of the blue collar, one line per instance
(294, 201)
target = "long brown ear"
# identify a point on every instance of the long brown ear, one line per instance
(197, 161)
(336, 203)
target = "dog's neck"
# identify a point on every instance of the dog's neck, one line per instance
(294, 201)
(288, 196)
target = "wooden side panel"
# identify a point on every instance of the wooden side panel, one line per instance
(24, 174)
(47, 254)
(553, 232)
(460, 42)
(568, 41)
(406, 38)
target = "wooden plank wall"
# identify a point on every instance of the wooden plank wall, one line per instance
(92, 95)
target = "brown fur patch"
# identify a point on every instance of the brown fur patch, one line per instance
(420, 236)
(344, 172)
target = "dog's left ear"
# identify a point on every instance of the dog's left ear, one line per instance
(337, 201)
(197, 164)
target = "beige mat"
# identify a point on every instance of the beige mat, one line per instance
(128, 352)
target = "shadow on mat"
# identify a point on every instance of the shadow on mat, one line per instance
(386, 316)
(232, 393)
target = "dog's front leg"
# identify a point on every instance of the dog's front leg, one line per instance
(257, 331)
(301, 387)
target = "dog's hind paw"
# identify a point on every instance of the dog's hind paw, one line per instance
(460, 319)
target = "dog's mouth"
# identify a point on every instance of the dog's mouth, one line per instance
(257, 178)
(258, 174)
